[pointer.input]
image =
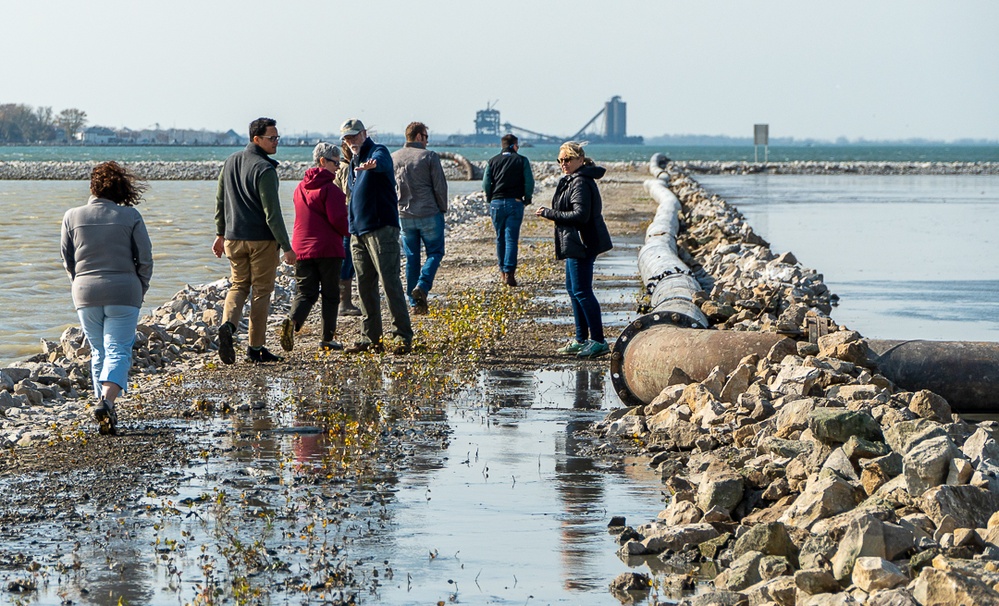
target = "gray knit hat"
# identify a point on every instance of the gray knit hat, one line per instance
(325, 150)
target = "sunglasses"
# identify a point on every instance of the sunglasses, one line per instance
(565, 160)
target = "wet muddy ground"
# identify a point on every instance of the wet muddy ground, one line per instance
(461, 473)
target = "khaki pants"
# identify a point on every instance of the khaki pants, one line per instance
(253, 265)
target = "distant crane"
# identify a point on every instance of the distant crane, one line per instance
(539, 136)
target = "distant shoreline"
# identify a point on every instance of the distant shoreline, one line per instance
(208, 170)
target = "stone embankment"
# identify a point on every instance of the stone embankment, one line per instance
(803, 477)
(457, 169)
(202, 170)
(46, 397)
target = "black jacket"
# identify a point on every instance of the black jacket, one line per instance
(580, 231)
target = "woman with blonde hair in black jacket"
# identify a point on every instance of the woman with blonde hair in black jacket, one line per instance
(580, 235)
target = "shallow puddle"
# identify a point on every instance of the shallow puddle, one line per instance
(512, 513)
(487, 500)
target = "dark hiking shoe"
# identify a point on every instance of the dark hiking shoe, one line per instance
(259, 356)
(363, 346)
(400, 346)
(510, 278)
(107, 418)
(226, 351)
(287, 335)
(330, 345)
(348, 309)
(419, 297)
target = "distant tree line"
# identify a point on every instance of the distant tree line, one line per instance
(20, 123)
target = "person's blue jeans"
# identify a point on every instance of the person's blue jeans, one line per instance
(585, 307)
(110, 330)
(347, 271)
(507, 215)
(430, 232)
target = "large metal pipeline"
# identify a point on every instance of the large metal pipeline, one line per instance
(966, 374)
(667, 279)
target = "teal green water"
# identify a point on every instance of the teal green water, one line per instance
(606, 153)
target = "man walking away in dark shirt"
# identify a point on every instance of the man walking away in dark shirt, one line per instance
(509, 186)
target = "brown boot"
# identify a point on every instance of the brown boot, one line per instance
(346, 307)
(509, 278)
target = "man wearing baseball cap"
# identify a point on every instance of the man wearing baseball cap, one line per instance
(375, 249)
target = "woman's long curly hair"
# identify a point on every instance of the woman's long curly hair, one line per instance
(112, 181)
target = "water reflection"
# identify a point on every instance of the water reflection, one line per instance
(580, 388)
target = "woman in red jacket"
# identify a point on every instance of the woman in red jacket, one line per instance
(317, 239)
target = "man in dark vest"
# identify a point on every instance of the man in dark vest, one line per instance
(250, 229)
(509, 186)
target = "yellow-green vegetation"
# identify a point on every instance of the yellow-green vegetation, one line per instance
(292, 529)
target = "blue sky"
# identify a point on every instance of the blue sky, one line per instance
(856, 69)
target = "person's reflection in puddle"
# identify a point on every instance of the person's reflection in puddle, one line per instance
(589, 392)
(581, 488)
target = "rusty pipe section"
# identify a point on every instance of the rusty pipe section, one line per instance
(667, 279)
(651, 348)
(966, 374)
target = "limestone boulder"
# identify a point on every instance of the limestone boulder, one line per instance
(743, 572)
(720, 486)
(737, 383)
(824, 497)
(904, 435)
(927, 464)
(816, 580)
(981, 446)
(784, 448)
(795, 380)
(928, 405)
(792, 415)
(780, 590)
(968, 506)
(864, 537)
(873, 574)
(659, 537)
(680, 513)
(891, 597)
(768, 539)
(837, 425)
(628, 426)
(950, 588)
(878, 472)
(857, 448)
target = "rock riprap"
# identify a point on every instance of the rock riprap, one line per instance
(804, 477)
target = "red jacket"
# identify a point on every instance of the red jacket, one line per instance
(320, 217)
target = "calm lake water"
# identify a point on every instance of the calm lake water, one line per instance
(601, 152)
(911, 257)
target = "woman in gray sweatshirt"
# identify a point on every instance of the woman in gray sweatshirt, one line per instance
(107, 253)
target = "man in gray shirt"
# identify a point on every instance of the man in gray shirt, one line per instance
(422, 190)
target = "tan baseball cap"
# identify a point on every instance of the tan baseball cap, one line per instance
(351, 127)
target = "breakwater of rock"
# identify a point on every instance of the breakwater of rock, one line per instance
(458, 169)
(202, 170)
(803, 477)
